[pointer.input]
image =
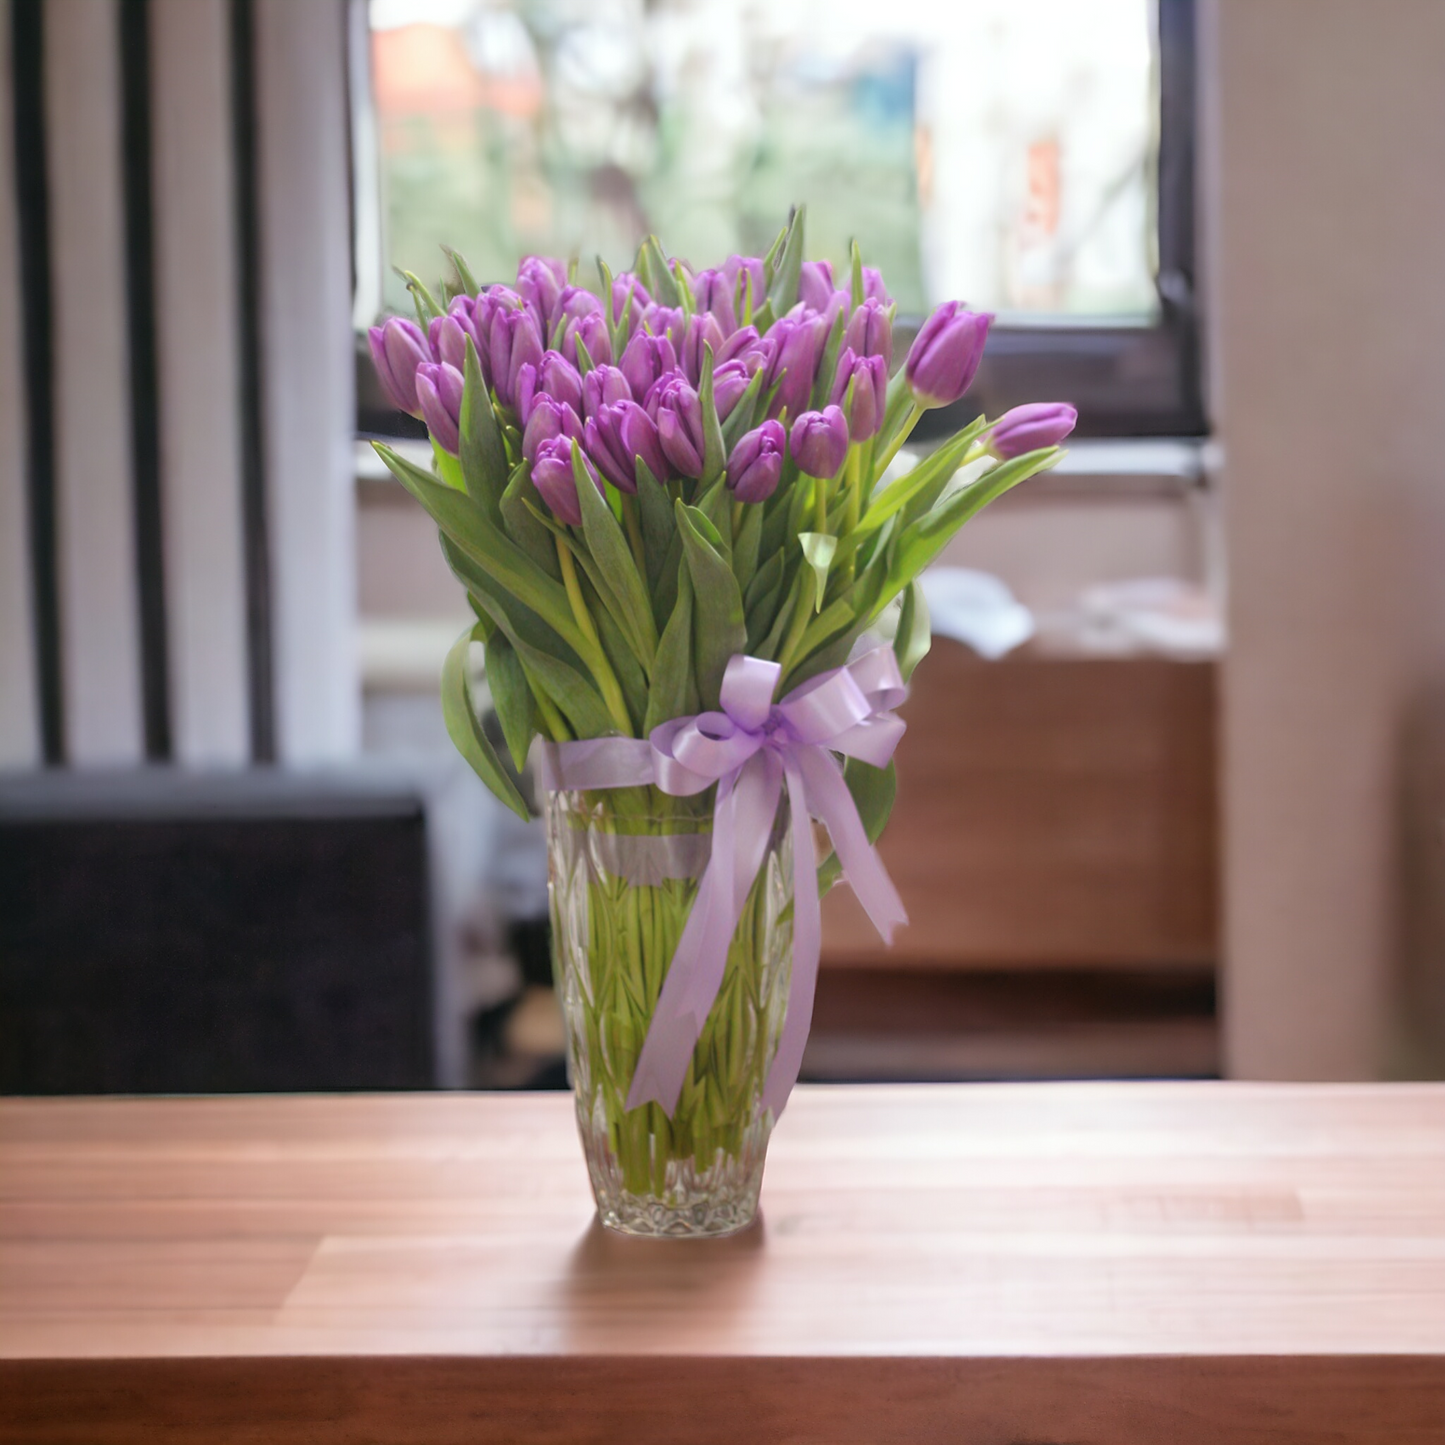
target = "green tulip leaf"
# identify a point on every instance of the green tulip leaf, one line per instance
(674, 685)
(464, 727)
(483, 457)
(719, 631)
(819, 549)
(511, 697)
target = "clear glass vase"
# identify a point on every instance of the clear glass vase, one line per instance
(625, 865)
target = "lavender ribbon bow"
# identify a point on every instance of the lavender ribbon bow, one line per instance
(752, 749)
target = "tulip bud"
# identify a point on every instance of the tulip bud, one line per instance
(729, 382)
(591, 331)
(574, 302)
(668, 321)
(540, 280)
(869, 377)
(747, 277)
(815, 284)
(549, 419)
(602, 386)
(1027, 428)
(515, 342)
(701, 331)
(629, 301)
(714, 294)
(742, 342)
(645, 359)
(553, 477)
(756, 463)
(617, 436)
(558, 378)
(480, 317)
(397, 349)
(439, 389)
(945, 354)
(447, 337)
(873, 287)
(678, 412)
(870, 332)
(799, 342)
(820, 442)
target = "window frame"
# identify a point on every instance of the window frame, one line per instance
(1127, 380)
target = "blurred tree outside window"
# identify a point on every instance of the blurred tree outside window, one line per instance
(1002, 151)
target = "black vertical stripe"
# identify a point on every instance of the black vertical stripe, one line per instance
(134, 29)
(252, 418)
(33, 208)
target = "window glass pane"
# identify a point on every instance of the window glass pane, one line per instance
(1002, 151)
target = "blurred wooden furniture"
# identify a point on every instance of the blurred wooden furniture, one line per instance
(1123, 1263)
(1052, 812)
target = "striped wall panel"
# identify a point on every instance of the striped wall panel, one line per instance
(100, 645)
(19, 693)
(176, 389)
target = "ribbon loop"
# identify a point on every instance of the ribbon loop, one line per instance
(752, 750)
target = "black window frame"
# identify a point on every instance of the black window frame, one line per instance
(1127, 380)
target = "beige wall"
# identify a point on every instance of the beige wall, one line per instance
(1330, 266)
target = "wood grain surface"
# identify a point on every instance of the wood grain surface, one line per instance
(993, 1263)
(1051, 812)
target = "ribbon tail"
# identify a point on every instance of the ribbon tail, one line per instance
(807, 949)
(742, 822)
(830, 801)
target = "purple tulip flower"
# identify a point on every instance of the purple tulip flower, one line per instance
(439, 390)
(869, 376)
(603, 386)
(553, 477)
(729, 382)
(668, 321)
(591, 331)
(756, 463)
(799, 342)
(714, 294)
(397, 349)
(617, 436)
(678, 412)
(645, 359)
(744, 342)
(558, 378)
(873, 287)
(945, 354)
(540, 280)
(870, 332)
(515, 343)
(815, 284)
(447, 336)
(820, 441)
(629, 301)
(748, 278)
(702, 331)
(1027, 428)
(550, 418)
(574, 302)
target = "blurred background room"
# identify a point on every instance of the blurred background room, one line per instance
(1183, 721)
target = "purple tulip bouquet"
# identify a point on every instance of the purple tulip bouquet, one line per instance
(677, 506)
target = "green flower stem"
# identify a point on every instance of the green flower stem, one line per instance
(802, 615)
(895, 443)
(596, 658)
(631, 521)
(610, 993)
(853, 496)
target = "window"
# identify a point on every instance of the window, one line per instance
(1033, 156)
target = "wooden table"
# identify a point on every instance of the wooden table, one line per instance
(1112, 1263)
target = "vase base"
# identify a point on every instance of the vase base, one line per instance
(652, 1219)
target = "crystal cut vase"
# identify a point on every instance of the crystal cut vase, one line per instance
(624, 871)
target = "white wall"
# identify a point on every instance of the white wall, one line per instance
(1331, 336)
